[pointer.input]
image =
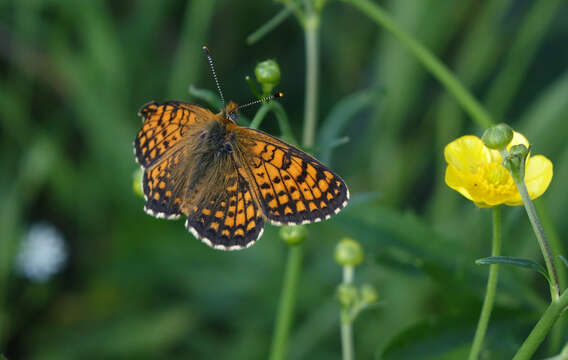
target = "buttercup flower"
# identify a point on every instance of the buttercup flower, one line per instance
(477, 173)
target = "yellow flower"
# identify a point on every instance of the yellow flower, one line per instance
(475, 171)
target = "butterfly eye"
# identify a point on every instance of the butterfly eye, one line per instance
(233, 117)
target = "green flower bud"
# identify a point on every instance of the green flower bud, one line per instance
(293, 235)
(497, 137)
(369, 294)
(519, 151)
(137, 182)
(515, 162)
(346, 294)
(348, 252)
(268, 75)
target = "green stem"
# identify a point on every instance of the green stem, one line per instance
(311, 33)
(541, 329)
(346, 319)
(259, 116)
(541, 237)
(287, 301)
(557, 247)
(491, 288)
(281, 116)
(294, 264)
(431, 62)
(270, 25)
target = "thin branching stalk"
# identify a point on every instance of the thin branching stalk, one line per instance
(287, 301)
(541, 237)
(541, 329)
(311, 33)
(346, 319)
(294, 264)
(491, 288)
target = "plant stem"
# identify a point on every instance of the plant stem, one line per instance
(294, 264)
(541, 329)
(346, 320)
(269, 26)
(286, 305)
(311, 34)
(281, 116)
(259, 116)
(491, 288)
(541, 237)
(431, 62)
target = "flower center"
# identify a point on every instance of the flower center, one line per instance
(494, 178)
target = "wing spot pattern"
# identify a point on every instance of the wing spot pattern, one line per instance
(294, 188)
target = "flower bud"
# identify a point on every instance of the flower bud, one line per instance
(519, 151)
(498, 137)
(293, 235)
(369, 294)
(346, 294)
(137, 182)
(268, 75)
(515, 162)
(348, 252)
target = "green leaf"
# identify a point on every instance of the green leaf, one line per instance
(340, 116)
(449, 337)
(563, 260)
(210, 97)
(433, 338)
(509, 260)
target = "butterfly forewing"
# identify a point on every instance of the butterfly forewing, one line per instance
(292, 186)
(160, 150)
(164, 127)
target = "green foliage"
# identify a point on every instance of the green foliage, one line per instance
(72, 78)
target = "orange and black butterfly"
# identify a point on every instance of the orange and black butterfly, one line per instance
(228, 179)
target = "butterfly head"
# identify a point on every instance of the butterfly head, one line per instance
(231, 112)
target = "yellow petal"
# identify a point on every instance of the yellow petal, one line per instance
(538, 174)
(456, 181)
(518, 139)
(466, 153)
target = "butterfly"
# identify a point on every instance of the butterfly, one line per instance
(228, 179)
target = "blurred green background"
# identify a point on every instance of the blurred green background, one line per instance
(73, 75)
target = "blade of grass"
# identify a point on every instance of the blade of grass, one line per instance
(188, 59)
(523, 50)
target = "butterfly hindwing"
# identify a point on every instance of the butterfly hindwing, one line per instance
(292, 186)
(227, 218)
(161, 188)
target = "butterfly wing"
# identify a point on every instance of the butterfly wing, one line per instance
(226, 216)
(165, 126)
(159, 149)
(163, 198)
(292, 187)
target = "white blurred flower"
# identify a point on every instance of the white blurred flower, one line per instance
(42, 253)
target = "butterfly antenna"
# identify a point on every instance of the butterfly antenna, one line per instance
(210, 61)
(264, 99)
